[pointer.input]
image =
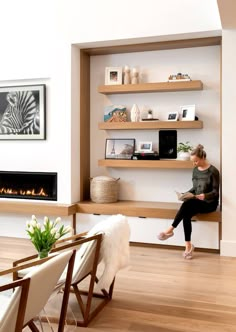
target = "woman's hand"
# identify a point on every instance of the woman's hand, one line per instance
(201, 197)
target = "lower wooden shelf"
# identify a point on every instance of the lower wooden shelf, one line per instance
(162, 210)
(178, 164)
(38, 208)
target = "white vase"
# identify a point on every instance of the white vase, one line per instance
(127, 78)
(184, 155)
(135, 113)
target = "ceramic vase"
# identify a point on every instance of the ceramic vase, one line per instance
(135, 113)
(127, 78)
(184, 155)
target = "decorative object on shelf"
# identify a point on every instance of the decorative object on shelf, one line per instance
(113, 75)
(150, 114)
(104, 189)
(179, 78)
(146, 156)
(135, 76)
(115, 113)
(173, 116)
(44, 237)
(135, 113)
(23, 112)
(119, 148)
(184, 150)
(187, 113)
(127, 78)
(153, 119)
(144, 147)
(168, 144)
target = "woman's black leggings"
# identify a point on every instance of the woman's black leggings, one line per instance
(188, 209)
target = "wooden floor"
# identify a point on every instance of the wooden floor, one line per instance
(160, 291)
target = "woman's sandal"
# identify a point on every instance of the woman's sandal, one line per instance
(163, 236)
(189, 254)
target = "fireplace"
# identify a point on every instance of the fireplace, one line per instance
(28, 185)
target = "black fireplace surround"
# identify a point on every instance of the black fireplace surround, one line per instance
(28, 185)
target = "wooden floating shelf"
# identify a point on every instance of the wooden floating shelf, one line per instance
(162, 210)
(37, 208)
(151, 87)
(170, 164)
(150, 125)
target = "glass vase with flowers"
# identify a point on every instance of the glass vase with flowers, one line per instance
(44, 236)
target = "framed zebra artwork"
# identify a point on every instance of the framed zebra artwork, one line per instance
(23, 112)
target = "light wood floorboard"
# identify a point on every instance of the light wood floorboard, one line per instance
(160, 291)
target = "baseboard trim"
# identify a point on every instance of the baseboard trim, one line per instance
(156, 245)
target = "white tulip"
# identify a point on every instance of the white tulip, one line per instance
(57, 235)
(33, 222)
(31, 230)
(57, 220)
(53, 231)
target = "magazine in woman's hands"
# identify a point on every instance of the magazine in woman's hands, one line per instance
(184, 196)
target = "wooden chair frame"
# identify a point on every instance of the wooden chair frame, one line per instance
(86, 308)
(16, 268)
(24, 284)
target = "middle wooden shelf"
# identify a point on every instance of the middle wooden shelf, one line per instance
(142, 125)
(164, 163)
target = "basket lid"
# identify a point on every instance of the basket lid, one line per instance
(103, 178)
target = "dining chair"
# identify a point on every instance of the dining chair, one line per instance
(13, 306)
(104, 251)
(31, 296)
(100, 254)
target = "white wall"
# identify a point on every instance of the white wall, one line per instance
(37, 47)
(32, 53)
(107, 20)
(202, 63)
(228, 243)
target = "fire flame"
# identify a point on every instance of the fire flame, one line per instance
(10, 191)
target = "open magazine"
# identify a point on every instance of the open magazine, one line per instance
(184, 196)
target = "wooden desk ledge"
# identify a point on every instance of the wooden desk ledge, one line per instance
(162, 210)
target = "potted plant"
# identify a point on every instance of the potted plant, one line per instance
(184, 150)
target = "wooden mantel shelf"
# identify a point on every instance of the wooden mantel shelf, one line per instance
(177, 164)
(151, 125)
(151, 87)
(37, 208)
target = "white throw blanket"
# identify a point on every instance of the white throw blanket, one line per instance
(114, 248)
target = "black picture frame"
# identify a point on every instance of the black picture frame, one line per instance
(119, 148)
(23, 112)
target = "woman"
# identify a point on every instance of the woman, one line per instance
(205, 188)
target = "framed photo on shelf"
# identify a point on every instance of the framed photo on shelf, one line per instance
(188, 113)
(145, 147)
(173, 116)
(119, 148)
(23, 112)
(113, 75)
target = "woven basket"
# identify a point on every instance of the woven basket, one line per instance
(104, 189)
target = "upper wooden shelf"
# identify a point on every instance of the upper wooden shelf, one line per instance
(151, 87)
(151, 125)
(146, 163)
